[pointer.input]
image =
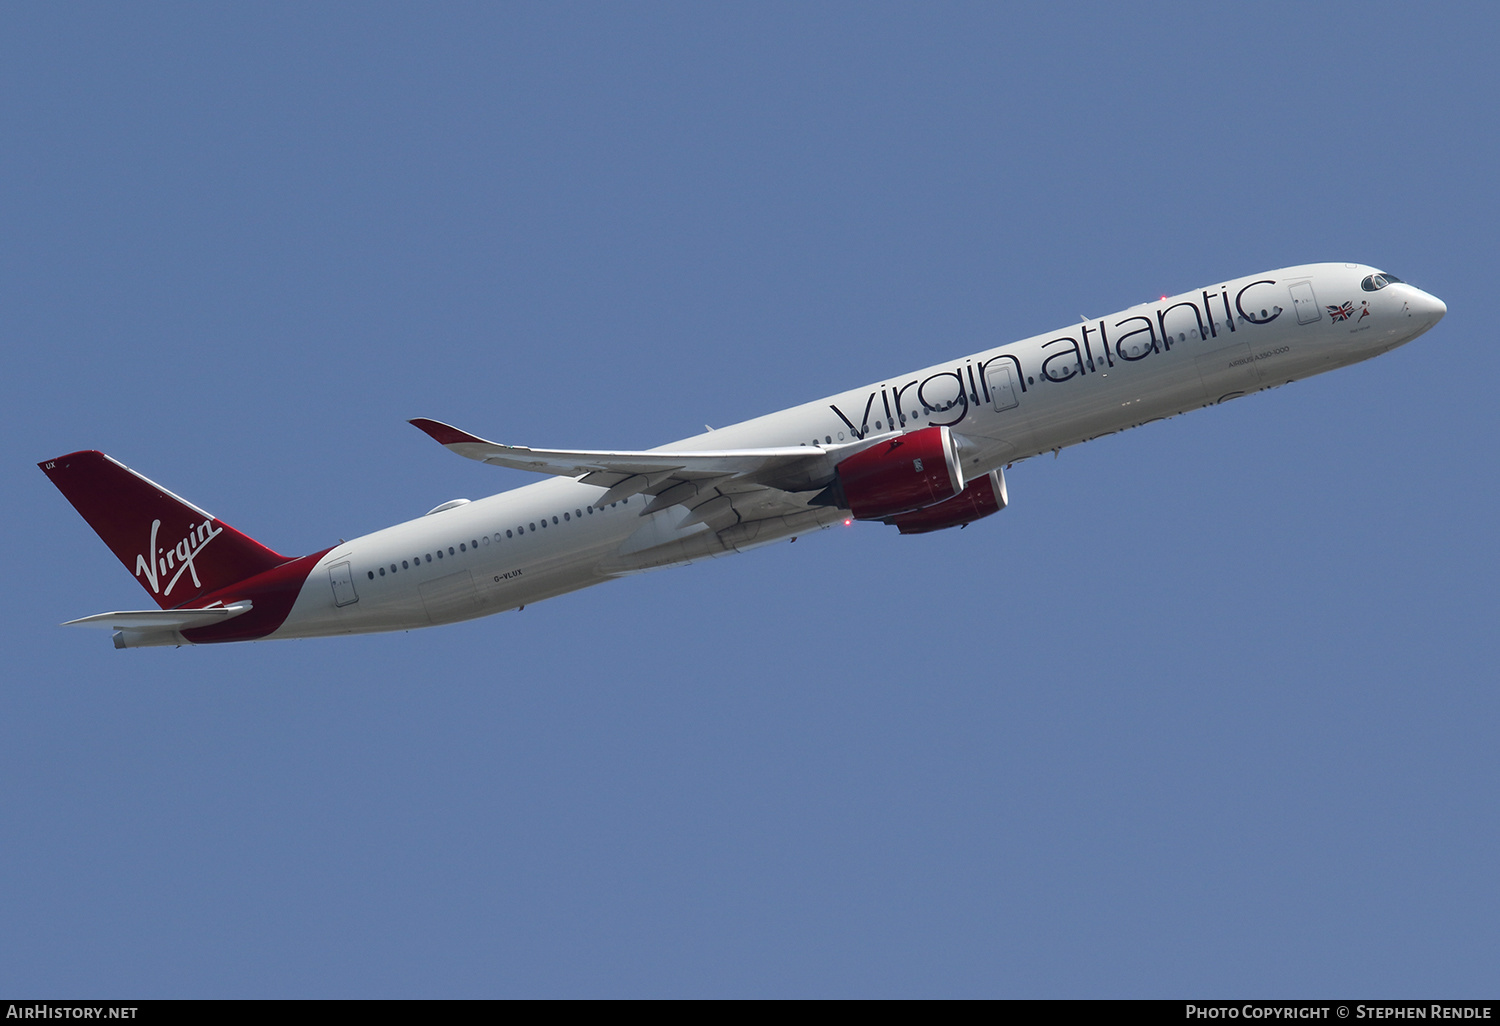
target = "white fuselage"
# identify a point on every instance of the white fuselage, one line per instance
(1005, 404)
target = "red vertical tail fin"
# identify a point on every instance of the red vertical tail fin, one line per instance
(176, 550)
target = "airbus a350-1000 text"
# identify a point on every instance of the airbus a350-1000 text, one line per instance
(922, 451)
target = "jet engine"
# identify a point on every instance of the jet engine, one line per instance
(901, 474)
(981, 498)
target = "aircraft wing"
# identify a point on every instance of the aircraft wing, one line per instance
(719, 487)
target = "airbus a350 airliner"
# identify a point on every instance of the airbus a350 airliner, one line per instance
(922, 452)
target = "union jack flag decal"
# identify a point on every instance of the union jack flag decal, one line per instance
(1341, 313)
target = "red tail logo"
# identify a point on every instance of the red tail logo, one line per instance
(151, 569)
(197, 554)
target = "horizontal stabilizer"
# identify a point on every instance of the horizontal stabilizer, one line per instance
(161, 619)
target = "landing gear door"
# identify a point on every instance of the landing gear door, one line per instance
(1305, 303)
(343, 585)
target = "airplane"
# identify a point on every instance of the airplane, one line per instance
(922, 452)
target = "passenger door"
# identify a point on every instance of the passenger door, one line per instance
(343, 585)
(1305, 303)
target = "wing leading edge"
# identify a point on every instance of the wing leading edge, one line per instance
(718, 487)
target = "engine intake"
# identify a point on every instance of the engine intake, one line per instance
(900, 474)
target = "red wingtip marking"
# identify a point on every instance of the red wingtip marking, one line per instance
(444, 434)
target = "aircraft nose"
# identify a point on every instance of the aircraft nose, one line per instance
(1428, 307)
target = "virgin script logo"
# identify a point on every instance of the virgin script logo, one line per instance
(162, 561)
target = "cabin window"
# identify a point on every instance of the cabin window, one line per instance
(554, 520)
(578, 513)
(533, 527)
(405, 565)
(372, 574)
(450, 550)
(508, 534)
(382, 571)
(393, 568)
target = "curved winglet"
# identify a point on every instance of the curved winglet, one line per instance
(443, 434)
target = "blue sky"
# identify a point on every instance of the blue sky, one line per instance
(1210, 710)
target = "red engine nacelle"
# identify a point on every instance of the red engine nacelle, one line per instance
(979, 499)
(901, 474)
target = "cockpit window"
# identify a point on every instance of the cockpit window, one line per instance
(1376, 282)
